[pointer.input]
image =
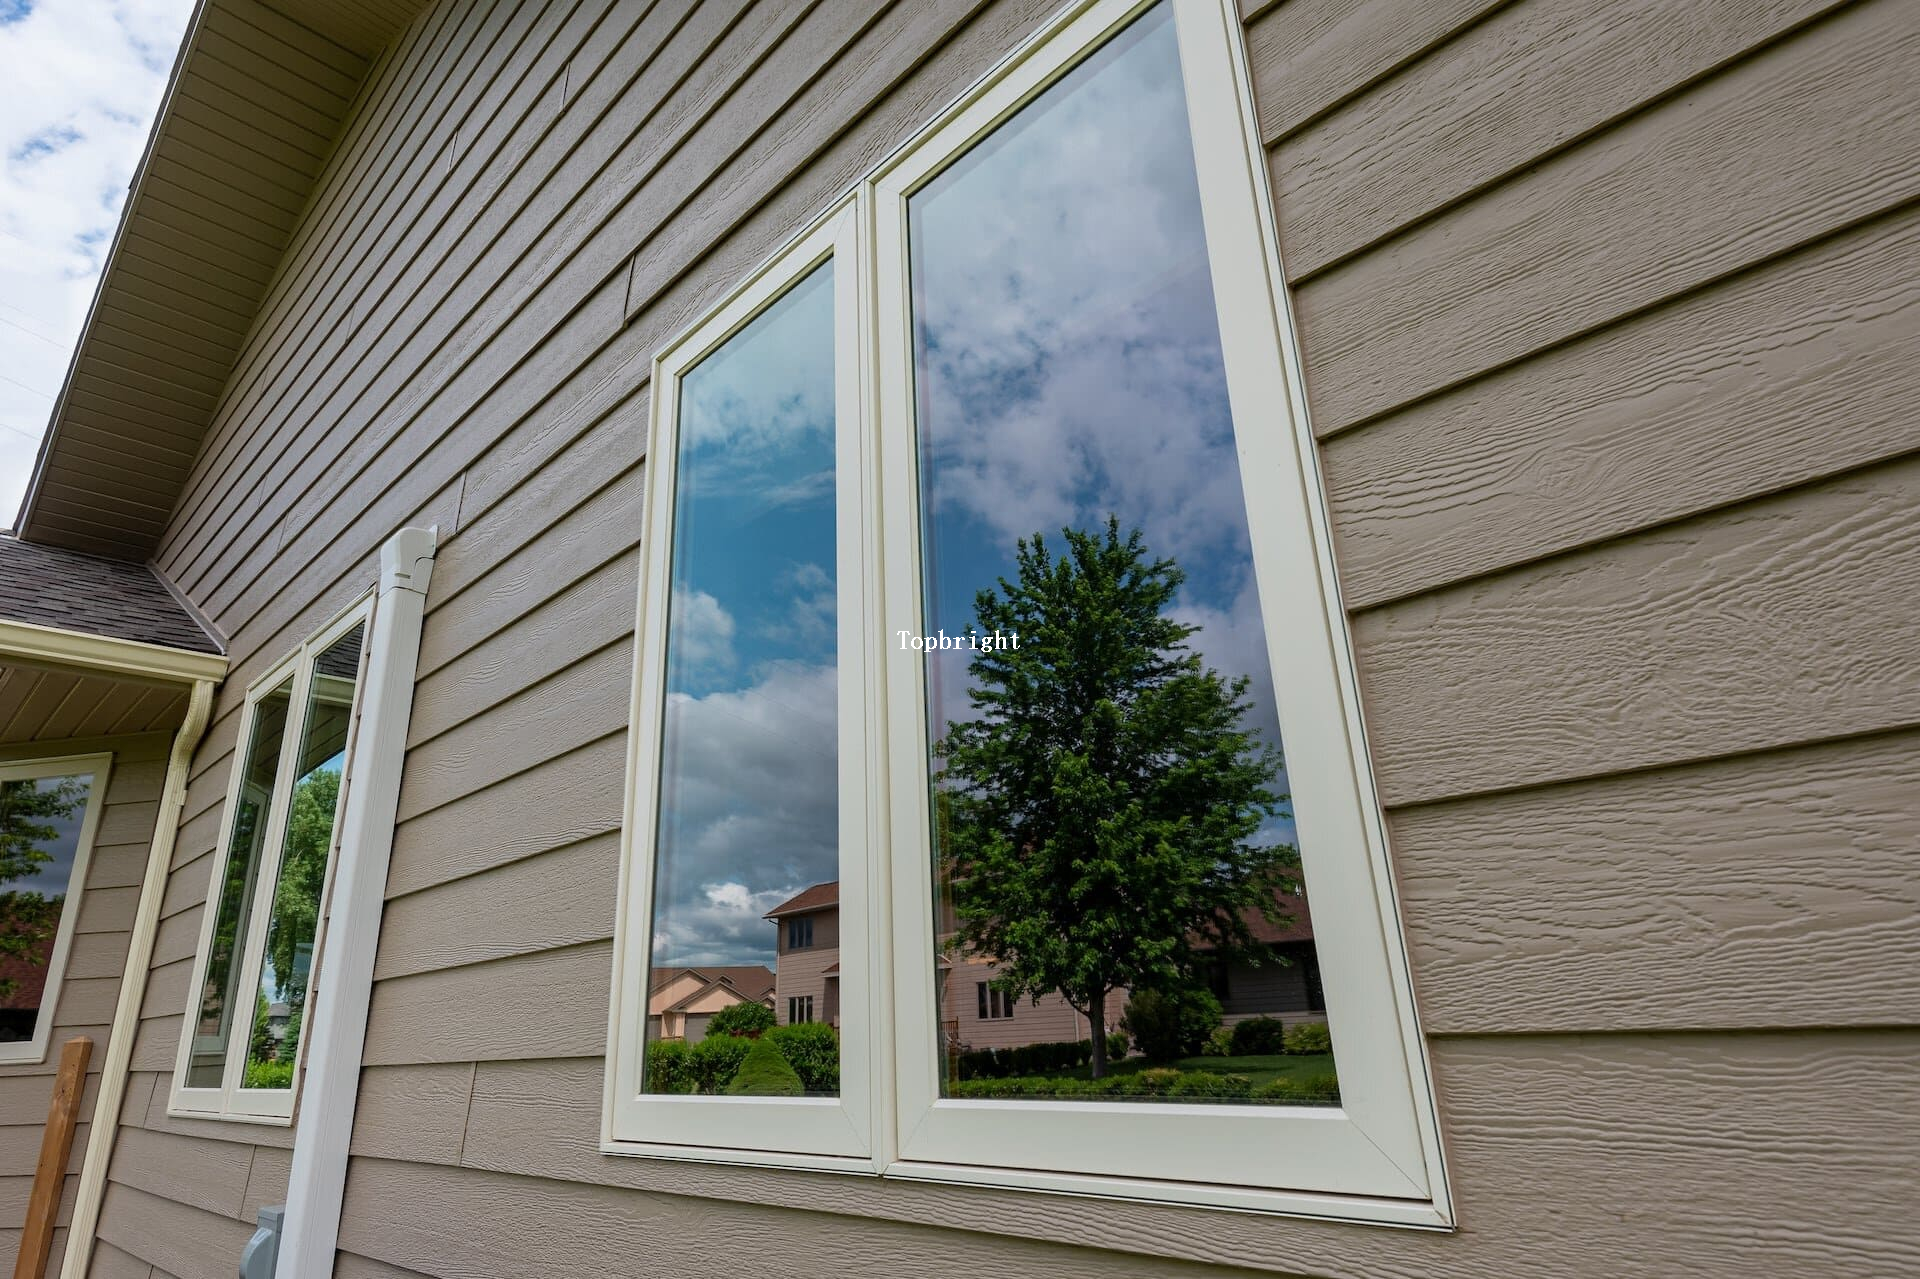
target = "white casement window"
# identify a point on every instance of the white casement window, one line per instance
(1012, 605)
(49, 809)
(241, 1044)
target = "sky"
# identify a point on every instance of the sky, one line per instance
(82, 80)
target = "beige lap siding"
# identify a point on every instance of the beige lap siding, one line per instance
(1602, 310)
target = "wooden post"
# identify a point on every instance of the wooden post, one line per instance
(56, 1143)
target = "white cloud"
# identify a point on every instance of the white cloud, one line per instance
(750, 812)
(83, 80)
(702, 631)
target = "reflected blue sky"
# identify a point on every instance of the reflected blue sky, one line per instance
(749, 775)
(1068, 358)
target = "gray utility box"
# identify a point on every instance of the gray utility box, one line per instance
(263, 1250)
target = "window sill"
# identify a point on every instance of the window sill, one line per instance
(1318, 1206)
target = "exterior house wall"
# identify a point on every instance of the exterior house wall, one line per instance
(115, 868)
(1606, 311)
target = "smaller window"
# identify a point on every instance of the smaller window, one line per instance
(995, 1005)
(240, 1051)
(48, 811)
(800, 932)
(799, 1009)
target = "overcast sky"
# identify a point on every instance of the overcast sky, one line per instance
(81, 80)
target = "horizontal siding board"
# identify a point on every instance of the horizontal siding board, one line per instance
(208, 1175)
(1803, 139)
(1308, 56)
(1797, 371)
(559, 898)
(170, 1236)
(559, 801)
(581, 704)
(559, 998)
(413, 1112)
(1532, 78)
(1569, 1154)
(1768, 625)
(1770, 891)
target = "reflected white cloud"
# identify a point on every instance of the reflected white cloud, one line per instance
(750, 812)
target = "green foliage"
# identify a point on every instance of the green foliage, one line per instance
(260, 1042)
(764, 1073)
(1097, 812)
(1309, 1037)
(30, 811)
(669, 1066)
(1116, 1045)
(267, 1074)
(303, 876)
(1312, 1090)
(1168, 1025)
(746, 1018)
(714, 1062)
(1219, 1043)
(813, 1050)
(1027, 1059)
(1195, 1085)
(1258, 1036)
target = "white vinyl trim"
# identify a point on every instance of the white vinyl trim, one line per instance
(97, 769)
(230, 1100)
(796, 1131)
(338, 1025)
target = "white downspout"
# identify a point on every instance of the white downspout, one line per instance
(133, 985)
(339, 1030)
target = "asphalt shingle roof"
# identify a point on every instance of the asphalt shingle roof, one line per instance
(49, 586)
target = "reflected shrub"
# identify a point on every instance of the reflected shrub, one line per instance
(813, 1050)
(1030, 1059)
(267, 1074)
(668, 1067)
(1259, 1037)
(1168, 1025)
(763, 1072)
(740, 1019)
(1116, 1045)
(1309, 1038)
(713, 1062)
(1219, 1043)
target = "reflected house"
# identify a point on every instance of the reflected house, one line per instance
(976, 1016)
(683, 1000)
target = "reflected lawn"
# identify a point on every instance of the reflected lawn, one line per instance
(1258, 1070)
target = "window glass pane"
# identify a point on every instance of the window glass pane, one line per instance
(279, 1006)
(1113, 841)
(748, 808)
(40, 820)
(217, 993)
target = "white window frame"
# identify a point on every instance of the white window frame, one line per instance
(1376, 1157)
(98, 769)
(230, 1100)
(812, 1132)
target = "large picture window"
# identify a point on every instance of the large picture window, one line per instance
(240, 1049)
(49, 809)
(1138, 929)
